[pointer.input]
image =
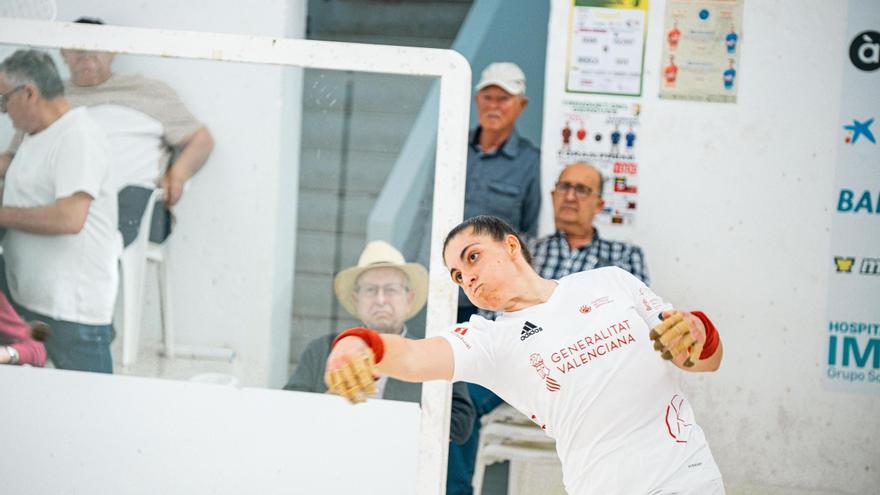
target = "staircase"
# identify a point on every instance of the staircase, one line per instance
(354, 125)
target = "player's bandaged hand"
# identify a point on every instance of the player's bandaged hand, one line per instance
(354, 378)
(679, 333)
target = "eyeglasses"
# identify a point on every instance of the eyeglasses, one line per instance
(5, 98)
(391, 291)
(500, 100)
(580, 190)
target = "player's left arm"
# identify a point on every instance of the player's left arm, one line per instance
(689, 339)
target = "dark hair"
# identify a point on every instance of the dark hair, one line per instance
(89, 20)
(35, 67)
(494, 227)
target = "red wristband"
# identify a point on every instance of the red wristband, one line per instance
(712, 340)
(370, 337)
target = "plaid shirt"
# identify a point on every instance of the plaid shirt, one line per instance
(553, 258)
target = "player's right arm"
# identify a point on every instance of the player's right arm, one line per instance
(404, 359)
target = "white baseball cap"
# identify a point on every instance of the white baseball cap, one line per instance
(506, 75)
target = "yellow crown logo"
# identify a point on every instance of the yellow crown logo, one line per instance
(844, 265)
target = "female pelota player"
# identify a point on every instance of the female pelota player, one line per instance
(577, 356)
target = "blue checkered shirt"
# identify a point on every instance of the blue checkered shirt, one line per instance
(553, 258)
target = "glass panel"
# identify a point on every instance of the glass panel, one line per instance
(296, 153)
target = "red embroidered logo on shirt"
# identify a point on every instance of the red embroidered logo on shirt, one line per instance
(585, 309)
(461, 330)
(537, 362)
(678, 427)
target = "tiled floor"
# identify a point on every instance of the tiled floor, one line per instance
(151, 363)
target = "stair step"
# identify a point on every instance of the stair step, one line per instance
(389, 39)
(324, 90)
(318, 210)
(368, 131)
(316, 251)
(404, 18)
(366, 172)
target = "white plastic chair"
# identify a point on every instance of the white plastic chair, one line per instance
(133, 267)
(507, 435)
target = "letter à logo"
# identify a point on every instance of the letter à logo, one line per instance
(585, 309)
(528, 330)
(844, 264)
(864, 51)
(870, 266)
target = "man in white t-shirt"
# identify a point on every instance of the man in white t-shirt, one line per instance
(59, 208)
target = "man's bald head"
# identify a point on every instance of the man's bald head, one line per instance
(577, 198)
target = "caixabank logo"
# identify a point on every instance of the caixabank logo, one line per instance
(859, 131)
(854, 351)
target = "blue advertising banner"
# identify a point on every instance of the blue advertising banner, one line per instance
(852, 333)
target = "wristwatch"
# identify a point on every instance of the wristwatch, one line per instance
(13, 354)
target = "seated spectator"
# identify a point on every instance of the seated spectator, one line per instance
(576, 245)
(20, 343)
(383, 292)
(59, 208)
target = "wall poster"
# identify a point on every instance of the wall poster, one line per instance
(702, 42)
(606, 46)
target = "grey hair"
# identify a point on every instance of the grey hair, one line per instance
(33, 67)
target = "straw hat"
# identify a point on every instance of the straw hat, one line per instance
(381, 254)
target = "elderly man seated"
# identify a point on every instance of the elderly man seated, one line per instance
(383, 291)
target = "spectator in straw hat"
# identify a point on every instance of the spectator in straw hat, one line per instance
(383, 291)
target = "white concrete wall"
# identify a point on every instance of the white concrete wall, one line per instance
(234, 242)
(735, 207)
(159, 436)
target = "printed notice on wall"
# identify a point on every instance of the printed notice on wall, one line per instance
(851, 335)
(604, 134)
(606, 46)
(701, 50)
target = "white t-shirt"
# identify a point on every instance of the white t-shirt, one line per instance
(582, 367)
(65, 277)
(135, 144)
(143, 118)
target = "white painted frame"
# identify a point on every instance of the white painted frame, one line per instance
(450, 67)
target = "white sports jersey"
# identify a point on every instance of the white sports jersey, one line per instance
(582, 367)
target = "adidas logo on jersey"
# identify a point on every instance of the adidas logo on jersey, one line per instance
(528, 330)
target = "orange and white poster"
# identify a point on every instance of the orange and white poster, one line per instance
(702, 42)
